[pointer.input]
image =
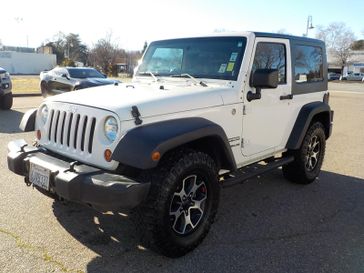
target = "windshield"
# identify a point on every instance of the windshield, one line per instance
(211, 58)
(82, 73)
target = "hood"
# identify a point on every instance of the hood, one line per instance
(150, 99)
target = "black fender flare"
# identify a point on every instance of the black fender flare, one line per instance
(136, 147)
(27, 123)
(304, 118)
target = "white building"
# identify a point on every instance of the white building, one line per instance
(355, 62)
(26, 63)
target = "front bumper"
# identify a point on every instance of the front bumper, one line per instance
(78, 182)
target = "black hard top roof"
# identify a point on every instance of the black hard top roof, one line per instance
(286, 36)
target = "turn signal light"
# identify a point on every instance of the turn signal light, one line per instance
(156, 156)
(108, 155)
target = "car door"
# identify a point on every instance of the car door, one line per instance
(265, 120)
(61, 81)
(52, 79)
(65, 82)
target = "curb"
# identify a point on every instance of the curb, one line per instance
(27, 95)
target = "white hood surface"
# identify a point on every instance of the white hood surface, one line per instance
(150, 99)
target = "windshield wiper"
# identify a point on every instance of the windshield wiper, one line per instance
(149, 74)
(191, 77)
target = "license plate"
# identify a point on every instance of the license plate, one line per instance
(39, 176)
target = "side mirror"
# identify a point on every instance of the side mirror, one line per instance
(265, 78)
(262, 79)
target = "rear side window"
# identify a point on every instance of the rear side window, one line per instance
(308, 64)
(271, 56)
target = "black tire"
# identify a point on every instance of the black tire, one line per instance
(44, 89)
(6, 101)
(161, 219)
(308, 159)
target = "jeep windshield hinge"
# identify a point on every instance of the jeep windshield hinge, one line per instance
(244, 110)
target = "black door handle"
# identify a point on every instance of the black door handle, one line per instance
(286, 97)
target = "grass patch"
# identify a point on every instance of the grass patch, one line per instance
(25, 84)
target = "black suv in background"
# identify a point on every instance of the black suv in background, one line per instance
(6, 96)
(64, 79)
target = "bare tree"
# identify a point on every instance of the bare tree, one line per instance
(104, 54)
(339, 39)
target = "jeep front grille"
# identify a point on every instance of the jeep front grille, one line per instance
(71, 130)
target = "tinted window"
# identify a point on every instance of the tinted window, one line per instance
(271, 56)
(82, 73)
(213, 58)
(308, 64)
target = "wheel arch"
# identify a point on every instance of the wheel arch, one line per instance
(213, 146)
(136, 147)
(310, 113)
(27, 123)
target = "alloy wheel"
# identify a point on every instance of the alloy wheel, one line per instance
(188, 205)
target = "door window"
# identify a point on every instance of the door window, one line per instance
(271, 56)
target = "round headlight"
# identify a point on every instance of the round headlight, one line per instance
(44, 113)
(111, 128)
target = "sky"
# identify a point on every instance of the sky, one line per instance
(131, 23)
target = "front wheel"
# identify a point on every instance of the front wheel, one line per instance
(181, 205)
(6, 101)
(308, 159)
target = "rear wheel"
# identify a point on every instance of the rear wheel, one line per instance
(6, 101)
(181, 205)
(308, 159)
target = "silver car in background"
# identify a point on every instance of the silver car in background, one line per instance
(6, 96)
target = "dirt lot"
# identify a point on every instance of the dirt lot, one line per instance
(263, 225)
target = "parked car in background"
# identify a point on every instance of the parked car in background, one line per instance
(333, 76)
(65, 79)
(355, 76)
(6, 96)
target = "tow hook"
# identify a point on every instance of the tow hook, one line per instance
(27, 182)
(72, 166)
(22, 148)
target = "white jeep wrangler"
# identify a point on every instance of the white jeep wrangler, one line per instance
(200, 114)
